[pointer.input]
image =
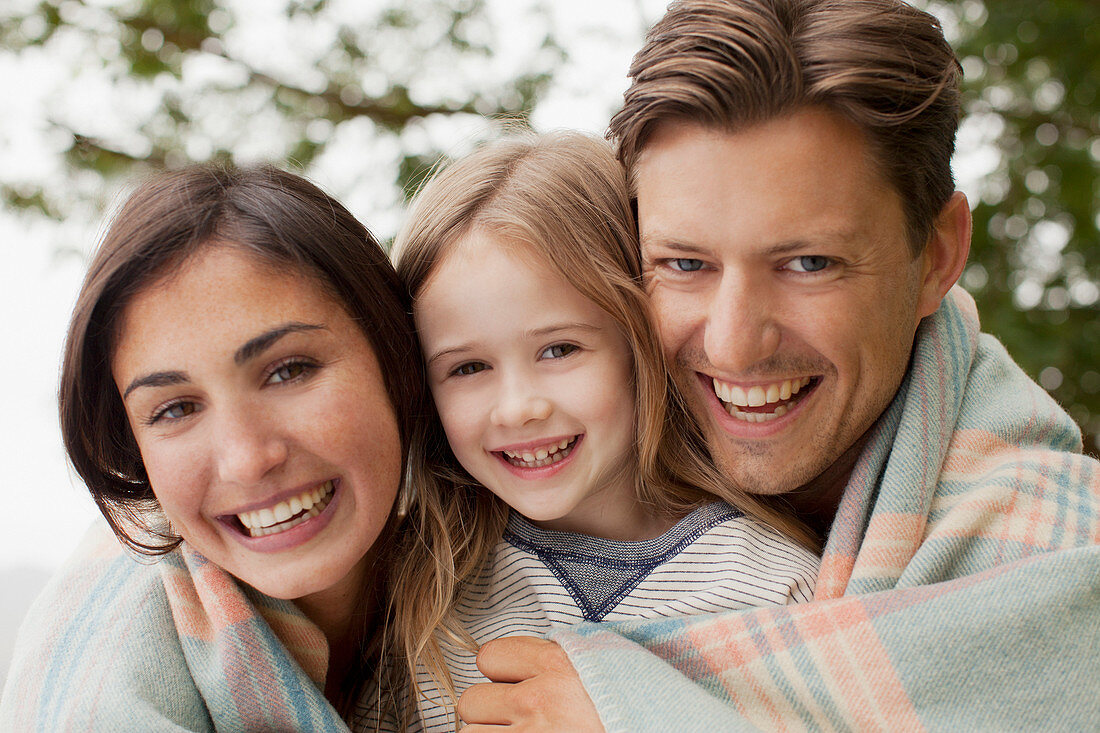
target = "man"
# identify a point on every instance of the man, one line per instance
(801, 237)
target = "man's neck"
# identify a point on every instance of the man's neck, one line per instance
(816, 502)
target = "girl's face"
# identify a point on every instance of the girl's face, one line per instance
(263, 421)
(533, 384)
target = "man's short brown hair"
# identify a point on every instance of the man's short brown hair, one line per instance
(882, 64)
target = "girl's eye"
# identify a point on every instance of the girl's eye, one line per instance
(470, 367)
(809, 263)
(174, 411)
(289, 372)
(557, 351)
(685, 264)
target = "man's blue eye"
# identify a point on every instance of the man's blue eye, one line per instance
(684, 264)
(809, 263)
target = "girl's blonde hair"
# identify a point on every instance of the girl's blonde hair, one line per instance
(564, 196)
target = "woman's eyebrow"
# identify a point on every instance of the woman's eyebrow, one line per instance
(257, 345)
(156, 379)
(249, 350)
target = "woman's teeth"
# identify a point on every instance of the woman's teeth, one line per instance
(543, 456)
(288, 514)
(774, 396)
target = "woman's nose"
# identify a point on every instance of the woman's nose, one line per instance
(248, 447)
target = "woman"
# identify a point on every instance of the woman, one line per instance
(238, 386)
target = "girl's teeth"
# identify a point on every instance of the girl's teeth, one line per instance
(541, 457)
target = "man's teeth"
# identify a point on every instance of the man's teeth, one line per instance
(543, 456)
(759, 395)
(289, 513)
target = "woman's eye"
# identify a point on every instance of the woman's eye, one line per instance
(289, 372)
(470, 367)
(557, 351)
(685, 264)
(174, 411)
(809, 263)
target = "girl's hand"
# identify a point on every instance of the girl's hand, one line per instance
(534, 688)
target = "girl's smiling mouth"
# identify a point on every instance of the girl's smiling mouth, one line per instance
(538, 456)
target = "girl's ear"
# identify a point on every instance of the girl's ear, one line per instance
(944, 255)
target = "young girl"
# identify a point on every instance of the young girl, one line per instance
(563, 480)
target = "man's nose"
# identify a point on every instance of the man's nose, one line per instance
(741, 328)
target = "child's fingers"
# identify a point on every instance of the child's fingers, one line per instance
(517, 658)
(485, 704)
(535, 688)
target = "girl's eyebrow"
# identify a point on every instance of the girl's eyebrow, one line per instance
(451, 351)
(557, 327)
(542, 332)
(249, 350)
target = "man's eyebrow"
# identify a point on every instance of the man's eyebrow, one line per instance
(670, 244)
(257, 345)
(827, 238)
(156, 379)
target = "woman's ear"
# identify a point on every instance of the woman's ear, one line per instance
(944, 255)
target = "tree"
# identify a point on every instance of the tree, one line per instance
(138, 84)
(1032, 130)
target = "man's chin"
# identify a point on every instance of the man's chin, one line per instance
(763, 467)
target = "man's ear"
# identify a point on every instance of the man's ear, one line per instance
(945, 254)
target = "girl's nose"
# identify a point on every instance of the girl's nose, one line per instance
(520, 404)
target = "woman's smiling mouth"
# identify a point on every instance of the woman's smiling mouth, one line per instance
(288, 513)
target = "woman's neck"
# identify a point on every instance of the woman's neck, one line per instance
(344, 613)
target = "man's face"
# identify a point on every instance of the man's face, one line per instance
(784, 287)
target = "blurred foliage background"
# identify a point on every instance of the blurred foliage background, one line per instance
(364, 96)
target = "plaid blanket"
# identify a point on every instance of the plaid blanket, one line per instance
(113, 644)
(959, 587)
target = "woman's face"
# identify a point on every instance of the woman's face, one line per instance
(262, 419)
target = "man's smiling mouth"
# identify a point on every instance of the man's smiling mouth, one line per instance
(763, 402)
(289, 513)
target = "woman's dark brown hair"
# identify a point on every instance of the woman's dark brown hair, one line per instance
(278, 217)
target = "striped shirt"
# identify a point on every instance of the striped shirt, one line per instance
(714, 559)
